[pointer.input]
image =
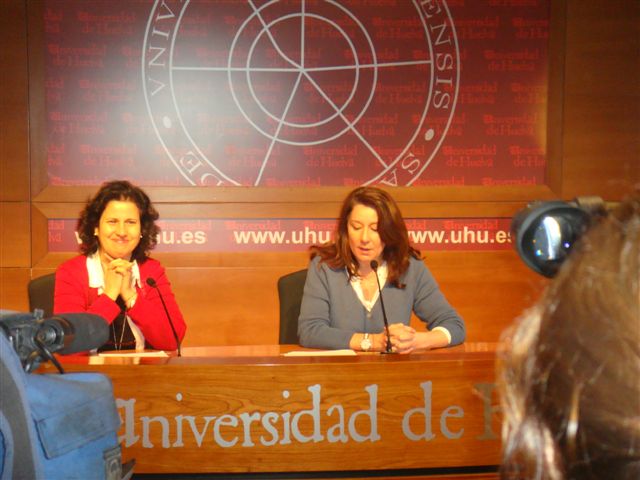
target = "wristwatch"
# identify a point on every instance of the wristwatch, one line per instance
(365, 344)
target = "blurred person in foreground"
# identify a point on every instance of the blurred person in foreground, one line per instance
(570, 370)
(341, 308)
(118, 230)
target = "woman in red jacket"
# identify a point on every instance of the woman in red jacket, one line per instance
(117, 229)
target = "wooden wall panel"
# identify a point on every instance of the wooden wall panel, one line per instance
(464, 206)
(15, 238)
(228, 306)
(15, 235)
(14, 145)
(602, 99)
(489, 289)
(603, 152)
(13, 289)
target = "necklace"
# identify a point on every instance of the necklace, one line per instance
(118, 344)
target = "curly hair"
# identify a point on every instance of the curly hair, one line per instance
(569, 371)
(391, 228)
(118, 190)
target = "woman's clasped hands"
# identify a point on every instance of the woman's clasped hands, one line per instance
(403, 338)
(117, 279)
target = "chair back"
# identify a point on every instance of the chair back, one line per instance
(41, 293)
(290, 289)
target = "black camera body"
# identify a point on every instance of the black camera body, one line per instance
(35, 338)
(27, 333)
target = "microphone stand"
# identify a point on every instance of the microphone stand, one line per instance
(374, 267)
(151, 282)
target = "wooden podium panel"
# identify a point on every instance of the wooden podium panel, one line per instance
(252, 409)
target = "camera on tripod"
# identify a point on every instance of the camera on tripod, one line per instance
(35, 338)
(45, 430)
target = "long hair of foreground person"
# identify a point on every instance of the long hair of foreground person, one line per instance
(569, 370)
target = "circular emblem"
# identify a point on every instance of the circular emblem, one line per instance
(307, 92)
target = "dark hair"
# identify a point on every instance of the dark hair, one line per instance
(391, 228)
(570, 370)
(118, 190)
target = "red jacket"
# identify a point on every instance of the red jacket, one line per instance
(73, 295)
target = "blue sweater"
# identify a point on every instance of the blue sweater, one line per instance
(331, 312)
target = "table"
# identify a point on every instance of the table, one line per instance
(252, 409)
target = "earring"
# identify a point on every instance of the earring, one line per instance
(141, 235)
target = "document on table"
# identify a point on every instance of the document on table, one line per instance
(320, 353)
(159, 353)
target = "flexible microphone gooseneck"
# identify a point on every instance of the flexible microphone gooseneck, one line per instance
(374, 267)
(152, 283)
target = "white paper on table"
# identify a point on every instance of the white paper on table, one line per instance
(320, 353)
(158, 353)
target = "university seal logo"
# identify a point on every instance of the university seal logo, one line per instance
(300, 92)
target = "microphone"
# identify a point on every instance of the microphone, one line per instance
(152, 283)
(374, 267)
(34, 338)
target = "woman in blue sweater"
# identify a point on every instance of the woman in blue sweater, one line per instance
(341, 307)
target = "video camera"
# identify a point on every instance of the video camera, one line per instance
(56, 426)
